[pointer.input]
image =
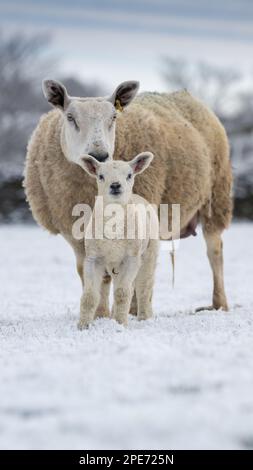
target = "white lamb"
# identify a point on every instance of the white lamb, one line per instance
(127, 255)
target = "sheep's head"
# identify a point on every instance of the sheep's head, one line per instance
(115, 179)
(89, 123)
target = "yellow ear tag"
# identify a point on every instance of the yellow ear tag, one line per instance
(118, 106)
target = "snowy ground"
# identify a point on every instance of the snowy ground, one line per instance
(180, 380)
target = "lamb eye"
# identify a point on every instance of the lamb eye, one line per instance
(129, 176)
(101, 177)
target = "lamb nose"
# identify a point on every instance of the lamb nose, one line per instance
(115, 186)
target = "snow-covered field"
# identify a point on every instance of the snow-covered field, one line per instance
(179, 380)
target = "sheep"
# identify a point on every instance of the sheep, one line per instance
(128, 261)
(191, 168)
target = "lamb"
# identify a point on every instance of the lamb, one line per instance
(191, 168)
(129, 261)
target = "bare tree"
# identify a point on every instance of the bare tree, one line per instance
(21, 61)
(222, 88)
(210, 83)
(24, 61)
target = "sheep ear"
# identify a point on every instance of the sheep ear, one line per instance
(55, 93)
(141, 162)
(124, 94)
(89, 164)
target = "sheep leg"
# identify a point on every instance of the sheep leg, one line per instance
(145, 282)
(215, 256)
(93, 275)
(79, 268)
(79, 264)
(123, 288)
(103, 309)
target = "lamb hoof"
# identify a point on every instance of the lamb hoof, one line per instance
(102, 313)
(133, 311)
(121, 321)
(144, 316)
(81, 325)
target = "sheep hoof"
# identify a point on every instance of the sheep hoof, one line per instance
(224, 308)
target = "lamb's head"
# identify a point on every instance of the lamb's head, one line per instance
(115, 178)
(89, 123)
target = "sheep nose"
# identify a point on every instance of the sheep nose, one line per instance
(100, 156)
(115, 188)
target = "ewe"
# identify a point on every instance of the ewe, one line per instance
(129, 261)
(191, 168)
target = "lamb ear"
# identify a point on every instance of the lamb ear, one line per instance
(55, 93)
(141, 162)
(124, 94)
(89, 164)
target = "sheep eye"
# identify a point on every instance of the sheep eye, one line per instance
(101, 177)
(112, 121)
(129, 176)
(70, 118)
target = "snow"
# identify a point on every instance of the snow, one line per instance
(177, 381)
